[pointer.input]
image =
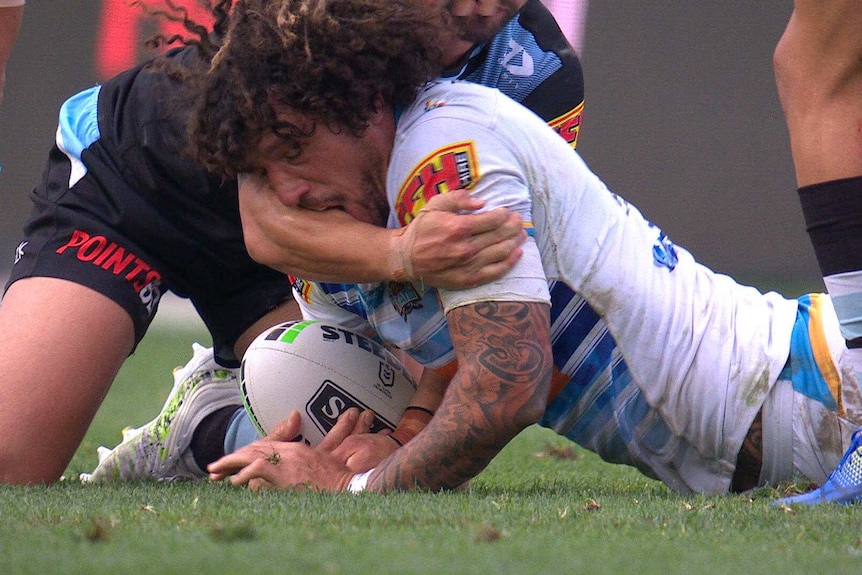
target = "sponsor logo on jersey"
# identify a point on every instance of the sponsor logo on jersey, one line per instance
(454, 167)
(664, 252)
(108, 255)
(433, 104)
(569, 125)
(301, 287)
(517, 61)
(330, 401)
(404, 298)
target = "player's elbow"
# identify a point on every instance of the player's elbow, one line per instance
(533, 413)
(533, 397)
(533, 409)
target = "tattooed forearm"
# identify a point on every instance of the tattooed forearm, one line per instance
(501, 337)
(501, 386)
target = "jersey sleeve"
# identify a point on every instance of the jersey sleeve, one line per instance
(526, 282)
(435, 157)
(316, 303)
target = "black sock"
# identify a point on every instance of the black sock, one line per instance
(833, 218)
(208, 438)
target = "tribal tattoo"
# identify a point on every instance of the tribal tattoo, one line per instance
(500, 387)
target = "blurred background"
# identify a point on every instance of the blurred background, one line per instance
(681, 118)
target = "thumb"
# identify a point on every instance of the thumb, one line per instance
(340, 431)
(288, 429)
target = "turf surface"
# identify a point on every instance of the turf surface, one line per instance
(543, 506)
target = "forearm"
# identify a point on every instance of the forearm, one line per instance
(324, 246)
(456, 445)
(423, 405)
(439, 247)
(500, 388)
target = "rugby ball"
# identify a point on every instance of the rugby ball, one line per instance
(321, 370)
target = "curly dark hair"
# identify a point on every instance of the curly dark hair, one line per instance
(206, 42)
(329, 60)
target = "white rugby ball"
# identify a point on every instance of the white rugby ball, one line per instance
(321, 370)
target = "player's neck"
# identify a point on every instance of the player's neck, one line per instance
(456, 53)
(454, 68)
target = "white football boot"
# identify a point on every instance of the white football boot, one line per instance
(161, 449)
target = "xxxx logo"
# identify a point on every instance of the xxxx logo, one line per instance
(454, 167)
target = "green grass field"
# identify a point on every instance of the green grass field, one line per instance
(543, 506)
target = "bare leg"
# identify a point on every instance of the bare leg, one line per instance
(61, 346)
(818, 71)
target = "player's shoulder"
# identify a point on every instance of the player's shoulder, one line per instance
(464, 105)
(551, 51)
(536, 20)
(531, 61)
(143, 114)
(153, 89)
(450, 99)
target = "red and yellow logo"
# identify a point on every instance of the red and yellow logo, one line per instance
(301, 287)
(569, 125)
(454, 167)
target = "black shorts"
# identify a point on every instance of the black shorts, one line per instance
(132, 244)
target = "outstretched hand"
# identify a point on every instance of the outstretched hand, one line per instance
(277, 462)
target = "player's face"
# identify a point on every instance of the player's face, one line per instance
(471, 22)
(334, 171)
(477, 21)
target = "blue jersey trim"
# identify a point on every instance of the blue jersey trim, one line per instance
(79, 122)
(801, 368)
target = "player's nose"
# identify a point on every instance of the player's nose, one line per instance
(292, 193)
(287, 187)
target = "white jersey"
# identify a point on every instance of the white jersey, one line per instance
(668, 362)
